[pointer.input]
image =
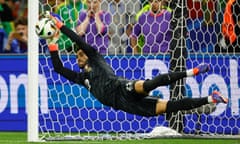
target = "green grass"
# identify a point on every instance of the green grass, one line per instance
(21, 138)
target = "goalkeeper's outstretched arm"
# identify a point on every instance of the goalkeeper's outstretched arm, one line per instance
(89, 50)
(57, 63)
(59, 68)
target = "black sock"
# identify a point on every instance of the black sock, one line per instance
(185, 104)
(163, 79)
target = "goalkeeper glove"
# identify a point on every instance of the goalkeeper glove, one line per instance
(55, 18)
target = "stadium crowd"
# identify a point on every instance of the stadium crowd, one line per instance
(126, 27)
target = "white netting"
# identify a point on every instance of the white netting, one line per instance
(73, 113)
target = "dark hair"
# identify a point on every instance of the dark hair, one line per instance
(20, 21)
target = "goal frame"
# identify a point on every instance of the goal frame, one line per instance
(32, 91)
(33, 81)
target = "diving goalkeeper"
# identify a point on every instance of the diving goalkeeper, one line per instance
(131, 96)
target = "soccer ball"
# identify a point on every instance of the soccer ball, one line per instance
(45, 28)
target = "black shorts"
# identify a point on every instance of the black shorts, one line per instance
(129, 101)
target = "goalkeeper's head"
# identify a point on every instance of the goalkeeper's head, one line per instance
(82, 58)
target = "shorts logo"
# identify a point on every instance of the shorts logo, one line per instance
(129, 86)
(87, 84)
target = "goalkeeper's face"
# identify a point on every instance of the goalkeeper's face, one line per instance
(81, 58)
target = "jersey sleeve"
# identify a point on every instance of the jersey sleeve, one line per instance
(89, 50)
(65, 72)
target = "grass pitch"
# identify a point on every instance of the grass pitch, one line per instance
(21, 138)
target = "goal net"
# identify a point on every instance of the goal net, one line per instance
(68, 111)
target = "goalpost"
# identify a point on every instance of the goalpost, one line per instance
(67, 111)
(33, 62)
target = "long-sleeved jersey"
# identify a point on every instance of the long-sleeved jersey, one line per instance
(101, 81)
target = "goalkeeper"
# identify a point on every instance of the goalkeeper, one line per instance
(128, 95)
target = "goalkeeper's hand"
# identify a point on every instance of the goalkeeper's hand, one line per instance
(47, 14)
(52, 42)
(54, 18)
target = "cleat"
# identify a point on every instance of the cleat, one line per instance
(202, 68)
(218, 98)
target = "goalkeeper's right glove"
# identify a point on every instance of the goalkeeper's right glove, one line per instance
(53, 47)
(55, 18)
